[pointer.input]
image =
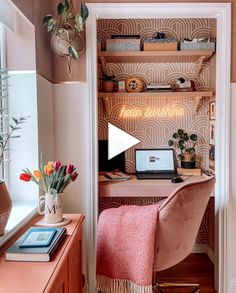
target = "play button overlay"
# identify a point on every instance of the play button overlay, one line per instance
(119, 141)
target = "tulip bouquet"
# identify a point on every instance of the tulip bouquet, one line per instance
(52, 176)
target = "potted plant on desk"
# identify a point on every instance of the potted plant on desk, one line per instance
(186, 144)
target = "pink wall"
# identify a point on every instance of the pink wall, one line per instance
(21, 45)
(27, 7)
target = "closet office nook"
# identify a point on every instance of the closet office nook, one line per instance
(156, 77)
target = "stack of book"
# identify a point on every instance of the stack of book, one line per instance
(36, 244)
(155, 86)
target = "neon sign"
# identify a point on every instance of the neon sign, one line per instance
(168, 111)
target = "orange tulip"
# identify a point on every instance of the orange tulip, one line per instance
(37, 174)
(48, 169)
(51, 163)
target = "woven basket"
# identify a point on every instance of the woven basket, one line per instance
(5, 207)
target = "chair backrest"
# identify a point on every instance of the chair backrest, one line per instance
(179, 220)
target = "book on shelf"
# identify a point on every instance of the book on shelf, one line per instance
(158, 86)
(117, 176)
(36, 244)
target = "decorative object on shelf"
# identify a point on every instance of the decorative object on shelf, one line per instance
(186, 143)
(159, 42)
(7, 132)
(212, 132)
(134, 84)
(212, 157)
(123, 43)
(197, 44)
(121, 86)
(157, 86)
(65, 30)
(108, 82)
(52, 178)
(212, 110)
(185, 85)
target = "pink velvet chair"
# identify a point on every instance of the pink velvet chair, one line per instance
(180, 216)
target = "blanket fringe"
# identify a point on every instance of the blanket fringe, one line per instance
(108, 285)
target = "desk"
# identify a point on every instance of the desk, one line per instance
(62, 274)
(143, 188)
(143, 192)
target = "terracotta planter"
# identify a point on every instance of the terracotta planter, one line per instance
(188, 161)
(5, 206)
(108, 85)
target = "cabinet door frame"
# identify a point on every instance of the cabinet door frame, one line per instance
(222, 13)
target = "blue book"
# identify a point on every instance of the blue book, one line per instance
(19, 252)
(38, 237)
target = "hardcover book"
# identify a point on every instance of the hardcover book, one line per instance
(21, 251)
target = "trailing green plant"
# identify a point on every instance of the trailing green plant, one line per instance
(184, 141)
(108, 77)
(67, 20)
(8, 126)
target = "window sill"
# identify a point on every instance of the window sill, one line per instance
(21, 214)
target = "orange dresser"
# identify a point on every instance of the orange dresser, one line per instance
(63, 274)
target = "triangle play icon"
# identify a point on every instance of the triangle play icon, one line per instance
(119, 141)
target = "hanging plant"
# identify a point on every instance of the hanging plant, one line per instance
(65, 30)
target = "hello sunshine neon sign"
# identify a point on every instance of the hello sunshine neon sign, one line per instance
(168, 111)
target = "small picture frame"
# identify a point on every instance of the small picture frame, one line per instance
(121, 86)
(212, 132)
(212, 110)
(212, 157)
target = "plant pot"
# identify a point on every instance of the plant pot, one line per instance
(61, 42)
(188, 161)
(5, 206)
(108, 85)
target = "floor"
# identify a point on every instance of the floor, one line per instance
(197, 268)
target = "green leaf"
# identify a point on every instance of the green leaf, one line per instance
(181, 142)
(175, 135)
(15, 136)
(170, 142)
(47, 18)
(186, 136)
(180, 132)
(16, 128)
(193, 137)
(180, 156)
(66, 5)
(84, 11)
(73, 52)
(60, 8)
(15, 120)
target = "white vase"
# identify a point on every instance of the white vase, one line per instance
(52, 209)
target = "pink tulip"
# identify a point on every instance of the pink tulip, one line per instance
(57, 165)
(74, 176)
(69, 169)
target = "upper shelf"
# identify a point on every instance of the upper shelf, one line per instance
(195, 94)
(153, 56)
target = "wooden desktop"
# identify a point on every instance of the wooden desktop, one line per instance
(134, 187)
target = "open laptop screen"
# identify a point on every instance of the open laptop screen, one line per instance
(151, 160)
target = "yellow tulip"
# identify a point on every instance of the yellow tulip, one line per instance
(51, 163)
(37, 174)
(48, 169)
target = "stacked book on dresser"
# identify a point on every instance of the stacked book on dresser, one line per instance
(156, 86)
(36, 244)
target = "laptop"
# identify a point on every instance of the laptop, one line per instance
(155, 164)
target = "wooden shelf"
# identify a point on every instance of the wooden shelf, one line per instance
(153, 56)
(195, 94)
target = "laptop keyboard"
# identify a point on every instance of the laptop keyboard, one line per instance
(155, 176)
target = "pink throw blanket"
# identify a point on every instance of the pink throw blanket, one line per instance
(125, 249)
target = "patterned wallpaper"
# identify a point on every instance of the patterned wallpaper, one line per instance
(155, 130)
